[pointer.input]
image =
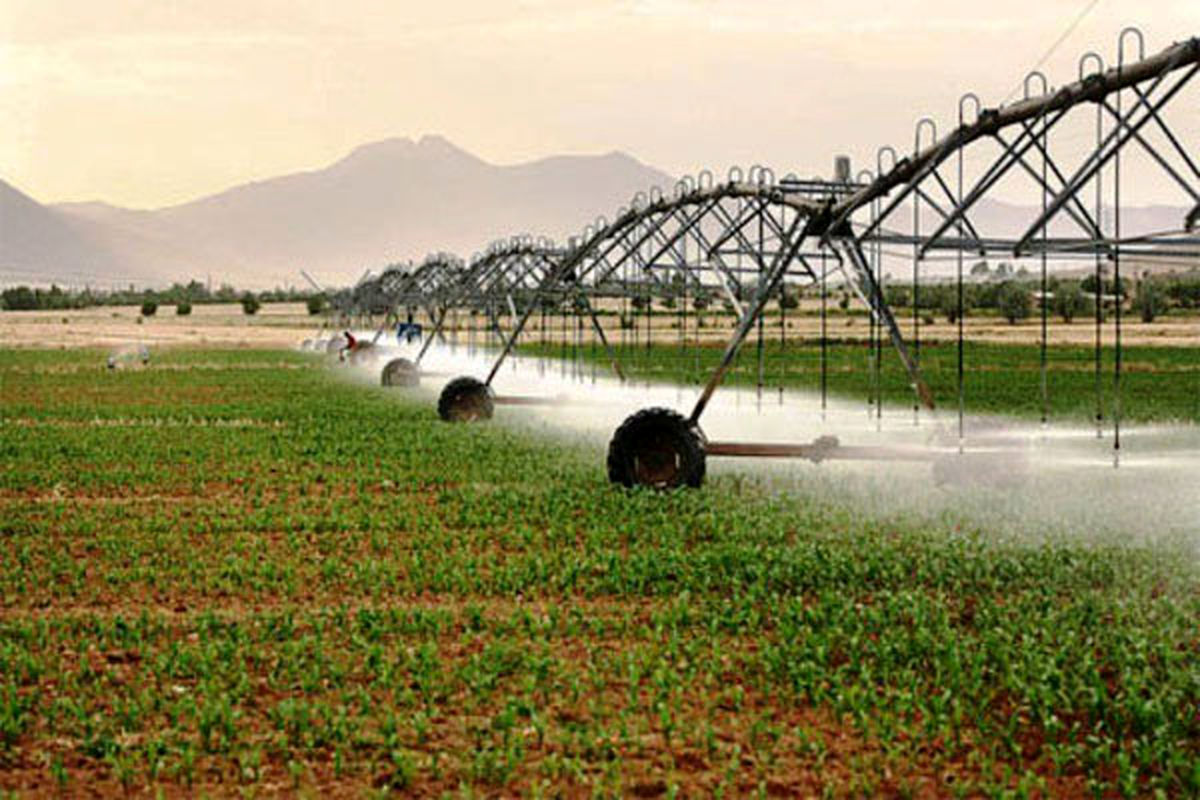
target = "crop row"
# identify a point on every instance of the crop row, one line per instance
(348, 592)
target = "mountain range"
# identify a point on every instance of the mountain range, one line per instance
(385, 202)
(393, 200)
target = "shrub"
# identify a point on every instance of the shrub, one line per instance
(897, 296)
(250, 304)
(149, 308)
(1146, 301)
(316, 304)
(1088, 284)
(1069, 302)
(948, 304)
(183, 308)
(789, 297)
(21, 298)
(1014, 302)
(1185, 290)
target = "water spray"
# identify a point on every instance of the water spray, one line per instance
(743, 239)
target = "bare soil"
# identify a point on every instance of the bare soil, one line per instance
(286, 325)
(223, 325)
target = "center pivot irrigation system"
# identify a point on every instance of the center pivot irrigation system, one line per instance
(744, 240)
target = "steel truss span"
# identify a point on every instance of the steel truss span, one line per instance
(743, 240)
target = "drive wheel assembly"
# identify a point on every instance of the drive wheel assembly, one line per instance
(401, 372)
(659, 448)
(465, 399)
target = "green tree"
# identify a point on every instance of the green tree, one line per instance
(1185, 290)
(1014, 302)
(1069, 302)
(948, 303)
(1088, 284)
(196, 291)
(1146, 301)
(789, 297)
(250, 303)
(21, 298)
(897, 296)
(56, 298)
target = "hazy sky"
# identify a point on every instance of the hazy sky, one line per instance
(150, 102)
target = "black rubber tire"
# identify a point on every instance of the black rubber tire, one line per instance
(465, 399)
(401, 372)
(658, 448)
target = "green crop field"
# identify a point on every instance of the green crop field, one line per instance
(1158, 383)
(232, 572)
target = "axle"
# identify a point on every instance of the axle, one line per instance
(824, 448)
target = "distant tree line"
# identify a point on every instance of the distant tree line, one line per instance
(1018, 298)
(182, 296)
(1011, 294)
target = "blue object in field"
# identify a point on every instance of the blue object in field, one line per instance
(408, 332)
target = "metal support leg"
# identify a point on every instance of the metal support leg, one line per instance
(867, 287)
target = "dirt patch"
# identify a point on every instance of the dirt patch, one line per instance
(276, 325)
(286, 325)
